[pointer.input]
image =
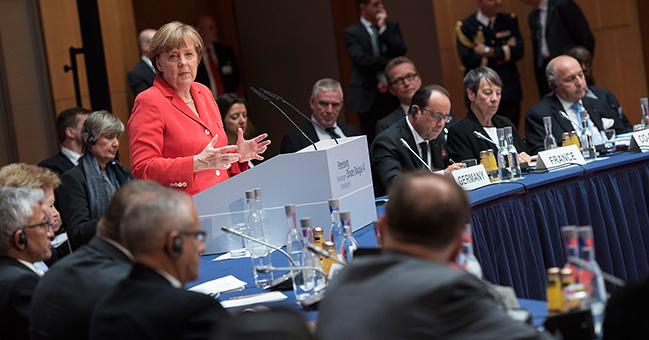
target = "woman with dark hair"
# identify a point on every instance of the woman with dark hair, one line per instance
(86, 188)
(234, 110)
(176, 134)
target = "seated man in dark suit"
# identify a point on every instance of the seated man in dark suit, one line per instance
(421, 128)
(403, 81)
(218, 69)
(25, 236)
(585, 58)
(57, 312)
(68, 129)
(326, 101)
(142, 74)
(409, 291)
(566, 105)
(162, 233)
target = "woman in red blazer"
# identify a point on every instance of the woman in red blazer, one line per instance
(176, 134)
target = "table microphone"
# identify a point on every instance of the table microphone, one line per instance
(583, 265)
(277, 97)
(266, 99)
(481, 136)
(403, 141)
(232, 231)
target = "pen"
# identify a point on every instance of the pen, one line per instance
(249, 296)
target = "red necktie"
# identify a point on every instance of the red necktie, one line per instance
(216, 74)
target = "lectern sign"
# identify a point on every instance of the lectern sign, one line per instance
(639, 141)
(559, 158)
(471, 178)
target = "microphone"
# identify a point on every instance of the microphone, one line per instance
(481, 136)
(583, 265)
(403, 141)
(318, 251)
(277, 97)
(232, 231)
(266, 99)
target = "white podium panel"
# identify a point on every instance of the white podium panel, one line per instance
(306, 178)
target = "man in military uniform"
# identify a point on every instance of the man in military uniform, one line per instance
(490, 38)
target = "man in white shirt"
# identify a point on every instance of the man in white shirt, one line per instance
(69, 124)
(567, 104)
(326, 102)
(25, 234)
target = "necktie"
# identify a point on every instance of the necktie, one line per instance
(216, 74)
(424, 151)
(332, 131)
(374, 40)
(597, 139)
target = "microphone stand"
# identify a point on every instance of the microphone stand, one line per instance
(277, 97)
(232, 231)
(480, 136)
(583, 265)
(315, 249)
(403, 141)
(266, 99)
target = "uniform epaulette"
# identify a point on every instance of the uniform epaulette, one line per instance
(513, 15)
(461, 37)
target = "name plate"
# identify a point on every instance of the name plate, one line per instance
(559, 158)
(472, 177)
(639, 141)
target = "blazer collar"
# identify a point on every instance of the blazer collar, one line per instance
(405, 133)
(177, 102)
(555, 109)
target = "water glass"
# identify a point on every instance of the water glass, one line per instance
(609, 140)
(236, 242)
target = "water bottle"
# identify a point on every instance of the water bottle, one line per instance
(349, 244)
(311, 276)
(586, 138)
(513, 153)
(259, 253)
(592, 279)
(644, 105)
(504, 169)
(549, 141)
(336, 231)
(295, 249)
(466, 259)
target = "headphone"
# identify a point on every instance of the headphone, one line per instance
(91, 139)
(177, 245)
(22, 238)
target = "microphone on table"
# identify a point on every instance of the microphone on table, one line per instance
(232, 231)
(403, 141)
(266, 99)
(583, 265)
(277, 97)
(481, 136)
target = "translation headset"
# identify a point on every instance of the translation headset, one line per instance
(177, 245)
(91, 138)
(22, 238)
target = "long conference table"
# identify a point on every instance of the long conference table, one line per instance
(516, 227)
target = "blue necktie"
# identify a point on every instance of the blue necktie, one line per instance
(597, 139)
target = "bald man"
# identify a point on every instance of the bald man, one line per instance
(566, 104)
(141, 76)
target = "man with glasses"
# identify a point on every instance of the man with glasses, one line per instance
(429, 111)
(403, 81)
(162, 232)
(326, 101)
(25, 234)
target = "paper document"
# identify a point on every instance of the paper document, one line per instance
(222, 285)
(254, 299)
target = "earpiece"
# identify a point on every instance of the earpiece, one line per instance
(177, 245)
(91, 139)
(22, 238)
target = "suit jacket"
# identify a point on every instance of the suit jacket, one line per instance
(294, 140)
(397, 296)
(505, 28)
(551, 106)
(146, 306)
(227, 66)
(165, 134)
(463, 144)
(363, 83)
(389, 158)
(611, 102)
(140, 77)
(390, 119)
(57, 311)
(75, 207)
(58, 163)
(17, 284)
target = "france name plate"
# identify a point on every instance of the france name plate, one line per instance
(559, 158)
(471, 178)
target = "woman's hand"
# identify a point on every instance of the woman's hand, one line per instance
(251, 148)
(215, 158)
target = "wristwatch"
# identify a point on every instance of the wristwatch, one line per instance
(487, 50)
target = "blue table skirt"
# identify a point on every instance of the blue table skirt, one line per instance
(516, 234)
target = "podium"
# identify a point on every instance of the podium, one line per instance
(307, 178)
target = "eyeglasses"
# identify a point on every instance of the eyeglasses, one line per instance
(439, 116)
(199, 235)
(43, 225)
(409, 77)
